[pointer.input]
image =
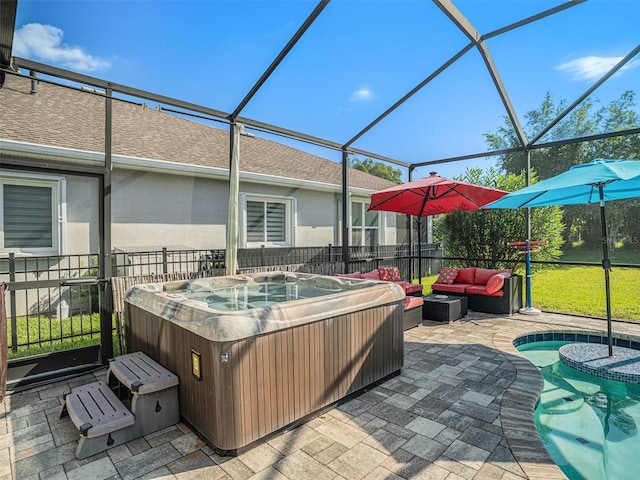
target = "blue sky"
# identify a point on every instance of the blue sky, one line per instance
(356, 60)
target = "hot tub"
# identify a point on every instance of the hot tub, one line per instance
(257, 353)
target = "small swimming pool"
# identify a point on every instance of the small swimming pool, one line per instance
(589, 425)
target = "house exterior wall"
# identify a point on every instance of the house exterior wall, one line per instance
(81, 232)
(154, 209)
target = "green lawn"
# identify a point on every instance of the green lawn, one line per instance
(48, 332)
(618, 255)
(581, 291)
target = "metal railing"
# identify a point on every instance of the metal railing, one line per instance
(51, 300)
(323, 259)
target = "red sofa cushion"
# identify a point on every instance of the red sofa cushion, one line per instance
(483, 275)
(389, 274)
(496, 282)
(372, 275)
(447, 275)
(466, 275)
(453, 288)
(412, 302)
(411, 287)
(482, 290)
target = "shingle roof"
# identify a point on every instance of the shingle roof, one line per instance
(69, 118)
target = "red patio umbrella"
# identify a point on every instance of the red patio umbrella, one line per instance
(432, 196)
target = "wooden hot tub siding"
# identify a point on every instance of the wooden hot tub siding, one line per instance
(274, 379)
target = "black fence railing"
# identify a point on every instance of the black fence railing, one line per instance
(324, 259)
(51, 301)
(138, 262)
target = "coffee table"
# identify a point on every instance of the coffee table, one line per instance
(443, 308)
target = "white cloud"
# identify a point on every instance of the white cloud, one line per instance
(360, 95)
(44, 42)
(591, 67)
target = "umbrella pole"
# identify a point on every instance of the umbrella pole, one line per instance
(527, 260)
(606, 265)
(528, 310)
(419, 252)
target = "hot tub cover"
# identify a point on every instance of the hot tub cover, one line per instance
(344, 295)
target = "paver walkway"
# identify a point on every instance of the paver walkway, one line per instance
(462, 408)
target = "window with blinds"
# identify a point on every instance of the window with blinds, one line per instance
(29, 206)
(27, 217)
(266, 221)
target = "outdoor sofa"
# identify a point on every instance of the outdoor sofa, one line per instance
(413, 292)
(487, 290)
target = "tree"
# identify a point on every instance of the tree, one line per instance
(486, 234)
(378, 169)
(584, 120)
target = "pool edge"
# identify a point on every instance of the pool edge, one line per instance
(518, 405)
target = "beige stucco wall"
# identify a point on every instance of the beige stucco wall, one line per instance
(154, 209)
(82, 234)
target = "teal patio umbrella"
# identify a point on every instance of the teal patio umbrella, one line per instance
(597, 181)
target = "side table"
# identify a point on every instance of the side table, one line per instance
(443, 308)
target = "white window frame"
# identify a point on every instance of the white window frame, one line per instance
(58, 188)
(290, 219)
(364, 204)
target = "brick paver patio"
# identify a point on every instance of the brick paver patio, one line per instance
(462, 408)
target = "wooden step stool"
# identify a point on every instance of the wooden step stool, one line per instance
(102, 418)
